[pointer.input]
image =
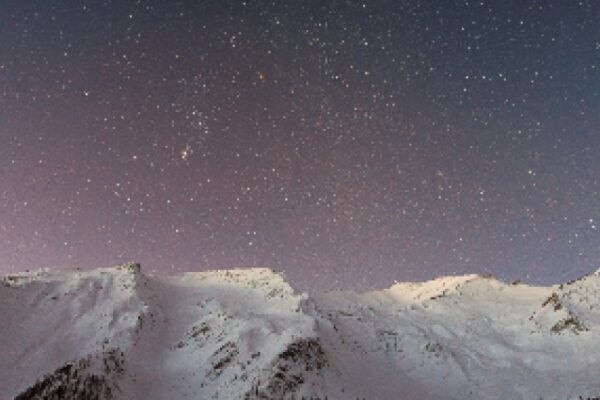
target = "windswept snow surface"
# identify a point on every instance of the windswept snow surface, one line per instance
(116, 333)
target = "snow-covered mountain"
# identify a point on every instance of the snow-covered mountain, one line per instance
(116, 333)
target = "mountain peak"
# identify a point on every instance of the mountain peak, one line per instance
(222, 333)
(238, 276)
(130, 266)
(436, 287)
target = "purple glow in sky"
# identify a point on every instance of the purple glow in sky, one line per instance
(346, 143)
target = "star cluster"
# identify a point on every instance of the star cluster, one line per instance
(346, 143)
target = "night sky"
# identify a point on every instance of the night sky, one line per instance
(348, 144)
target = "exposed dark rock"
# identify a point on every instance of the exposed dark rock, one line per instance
(571, 323)
(76, 381)
(222, 358)
(288, 371)
(553, 300)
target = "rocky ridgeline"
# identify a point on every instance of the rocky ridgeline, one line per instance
(115, 333)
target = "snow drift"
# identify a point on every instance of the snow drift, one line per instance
(116, 333)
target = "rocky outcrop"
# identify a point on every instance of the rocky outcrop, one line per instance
(93, 378)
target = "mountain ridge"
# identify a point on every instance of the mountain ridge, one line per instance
(117, 333)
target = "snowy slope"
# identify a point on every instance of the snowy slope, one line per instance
(116, 333)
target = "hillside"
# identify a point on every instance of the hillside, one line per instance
(116, 333)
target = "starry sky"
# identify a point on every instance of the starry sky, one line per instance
(346, 143)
